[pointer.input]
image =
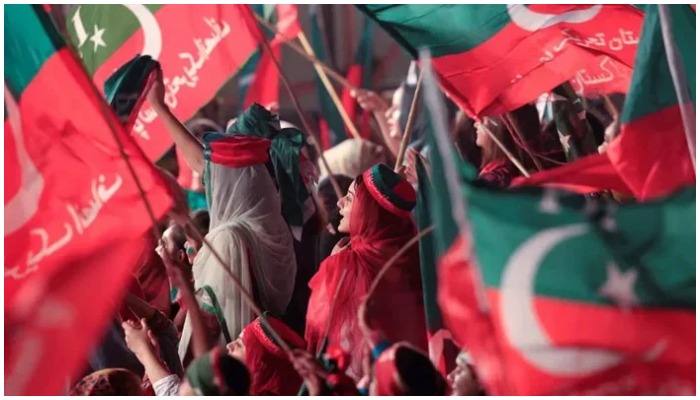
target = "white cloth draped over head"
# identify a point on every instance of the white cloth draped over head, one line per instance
(248, 231)
(352, 157)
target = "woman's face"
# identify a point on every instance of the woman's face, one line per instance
(482, 138)
(393, 115)
(345, 207)
(236, 349)
(463, 381)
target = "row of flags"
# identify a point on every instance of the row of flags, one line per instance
(69, 251)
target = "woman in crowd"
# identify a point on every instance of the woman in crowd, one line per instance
(377, 215)
(496, 168)
(247, 228)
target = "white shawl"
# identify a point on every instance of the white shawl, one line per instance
(248, 231)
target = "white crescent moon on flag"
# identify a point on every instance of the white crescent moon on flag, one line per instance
(21, 208)
(520, 323)
(532, 21)
(152, 37)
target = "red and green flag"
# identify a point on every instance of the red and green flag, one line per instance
(199, 46)
(441, 348)
(259, 78)
(494, 58)
(330, 122)
(69, 245)
(650, 158)
(360, 75)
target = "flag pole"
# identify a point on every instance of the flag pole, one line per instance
(511, 124)
(438, 116)
(507, 152)
(331, 73)
(412, 115)
(329, 88)
(106, 113)
(295, 102)
(678, 76)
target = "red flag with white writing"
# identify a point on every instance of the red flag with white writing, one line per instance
(604, 76)
(495, 58)
(74, 216)
(199, 47)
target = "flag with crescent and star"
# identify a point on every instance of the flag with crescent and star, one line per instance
(650, 157)
(75, 220)
(555, 293)
(199, 47)
(494, 58)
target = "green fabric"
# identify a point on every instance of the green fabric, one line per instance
(285, 153)
(196, 200)
(363, 56)
(441, 28)
(385, 179)
(119, 22)
(651, 87)
(428, 259)
(328, 110)
(218, 312)
(30, 40)
(574, 131)
(124, 88)
(653, 239)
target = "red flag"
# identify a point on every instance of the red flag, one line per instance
(265, 86)
(74, 217)
(605, 75)
(199, 46)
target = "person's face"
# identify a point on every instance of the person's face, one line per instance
(462, 380)
(171, 248)
(345, 207)
(393, 115)
(236, 349)
(482, 138)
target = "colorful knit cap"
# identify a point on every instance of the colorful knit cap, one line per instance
(267, 339)
(127, 87)
(390, 189)
(235, 151)
(218, 374)
(285, 155)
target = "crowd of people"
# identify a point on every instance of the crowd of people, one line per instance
(187, 325)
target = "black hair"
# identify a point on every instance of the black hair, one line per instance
(418, 374)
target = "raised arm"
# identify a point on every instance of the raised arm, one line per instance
(184, 140)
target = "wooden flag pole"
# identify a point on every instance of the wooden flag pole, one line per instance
(295, 103)
(507, 152)
(329, 87)
(512, 125)
(331, 73)
(412, 115)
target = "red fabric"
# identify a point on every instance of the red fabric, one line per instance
(240, 151)
(658, 359)
(604, 75)
(375, 236)
(271, 372)
(470, 328)
(405, 191)
(387, 375)
(589, 174)
(179, 24)
(152, 276)
(68, 260)
(515, 66)
(325, 134)
(649, 159)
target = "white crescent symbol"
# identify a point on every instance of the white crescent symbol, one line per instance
(24, 205)
(521, 325)
(152, 37)
(532, 21)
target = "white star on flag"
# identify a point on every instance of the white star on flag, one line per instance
(619, 286)
(96, 38)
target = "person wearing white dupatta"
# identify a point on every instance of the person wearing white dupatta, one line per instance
(248, 231)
